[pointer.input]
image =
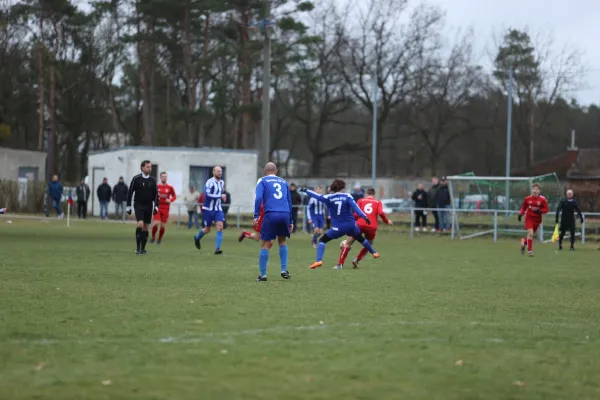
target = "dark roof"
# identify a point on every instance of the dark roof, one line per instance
(192, 149)
(584, 165)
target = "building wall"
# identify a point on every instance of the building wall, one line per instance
(11, 160)
(240, 178)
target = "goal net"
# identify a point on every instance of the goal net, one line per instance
(488, 205)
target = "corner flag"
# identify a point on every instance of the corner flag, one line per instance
(555, 234)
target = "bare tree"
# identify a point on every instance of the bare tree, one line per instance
(378, 49)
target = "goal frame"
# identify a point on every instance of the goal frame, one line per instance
(455, 226)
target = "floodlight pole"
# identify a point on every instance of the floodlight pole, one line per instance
(508, 139)
(374, 135)
(266, 93)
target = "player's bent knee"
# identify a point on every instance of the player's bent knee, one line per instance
(360, 238)
(324, 239)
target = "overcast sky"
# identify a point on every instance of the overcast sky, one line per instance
(568, 22)
(573, 22)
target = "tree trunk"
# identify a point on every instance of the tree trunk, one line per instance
(41, 82)
(245, 75)
(201, 134)
(531, 137)
(151, 95)
(191, 80)
(51, 144)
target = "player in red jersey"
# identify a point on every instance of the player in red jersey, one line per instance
(372, 208)
(166, 195)
(256, 234)
(533, 208)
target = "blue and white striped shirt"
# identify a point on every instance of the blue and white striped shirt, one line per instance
(315, 207)
(213, 190)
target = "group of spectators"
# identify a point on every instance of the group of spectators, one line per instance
(438, 198)
(105, 194)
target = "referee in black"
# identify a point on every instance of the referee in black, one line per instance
(566, 209)
(145, 204)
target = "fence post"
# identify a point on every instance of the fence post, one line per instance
(496, 226)
(583, 229)
(541, 233)
(412, 224)
(452, 223)
(178, 216)
(238, 218)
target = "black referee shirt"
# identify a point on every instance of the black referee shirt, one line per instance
(146, 193)
(566, 209)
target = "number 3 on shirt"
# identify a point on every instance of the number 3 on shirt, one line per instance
(368, 208)
(278, 194)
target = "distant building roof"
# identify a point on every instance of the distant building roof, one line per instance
(188, 149)
(573, 164)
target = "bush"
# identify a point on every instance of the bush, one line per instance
(27, 199)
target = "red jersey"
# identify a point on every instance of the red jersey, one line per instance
(372, 208)
(166, 195)
(534, 207)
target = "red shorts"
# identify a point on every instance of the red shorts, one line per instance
(369, 233)
(162, 215)
(529, 224)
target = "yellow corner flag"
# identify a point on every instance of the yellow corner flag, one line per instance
(555, 234)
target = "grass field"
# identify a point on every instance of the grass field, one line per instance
(82, 317)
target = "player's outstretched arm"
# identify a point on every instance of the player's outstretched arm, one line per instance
(357, 210)
(317, 196)
(155, 197)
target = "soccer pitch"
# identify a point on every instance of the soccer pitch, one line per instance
(82, 317)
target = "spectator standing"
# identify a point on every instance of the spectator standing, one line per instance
(191, 199)
(296, 204)
(420, 199)
(119, 196)
(104, 193)
(432, 202)
(55, 191)
(83, 195)
(357, 193)
(226, 206)
(444, 202)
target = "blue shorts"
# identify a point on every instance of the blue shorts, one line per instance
(344, 230)
(275, 224)
(212, 216)
(318, 221)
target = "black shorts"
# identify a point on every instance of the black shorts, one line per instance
(143, 213)
(567, 225)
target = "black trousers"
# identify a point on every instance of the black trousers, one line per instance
(295, 217)
(436, 217)
(421, 219)
(564, 227)
(81, 209)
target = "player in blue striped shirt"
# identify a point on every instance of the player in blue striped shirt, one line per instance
(214, 194)
(315, 213)
(273, 193)
(341, 207)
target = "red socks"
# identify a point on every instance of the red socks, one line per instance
(247, 234)
(160, 235)
(343, 254)
(529, 244)
(154, 229)
(362, 254)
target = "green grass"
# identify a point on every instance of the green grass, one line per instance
(78, 308)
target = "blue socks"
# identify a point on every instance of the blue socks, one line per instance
(263, 260)
(320, 251)
(199, 234)
(368, 246)
(283, 257)
(219, 240)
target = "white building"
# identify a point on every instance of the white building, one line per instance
(183, 165)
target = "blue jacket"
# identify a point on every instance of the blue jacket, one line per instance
(55, 190)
